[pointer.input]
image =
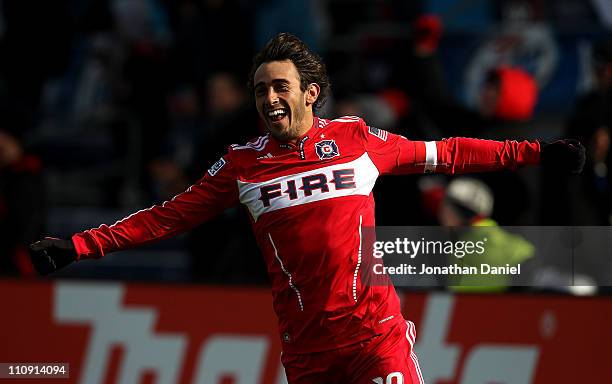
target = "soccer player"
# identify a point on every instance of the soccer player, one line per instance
(307, 185)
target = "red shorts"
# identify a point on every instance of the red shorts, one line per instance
(383, 359)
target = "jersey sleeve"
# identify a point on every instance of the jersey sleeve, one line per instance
(209, 196)
(395, 154)
(465, 155)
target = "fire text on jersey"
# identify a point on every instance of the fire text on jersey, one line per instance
(341, 179)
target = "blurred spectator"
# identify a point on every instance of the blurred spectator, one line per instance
(230, 117)
(588, 196)
(22, 205)
(424, 109)
(468, 203)
(506, 105)
(146, 71)
(507, 101)
(200, 133)
(102, 120)
(508, 94)
(202, 127)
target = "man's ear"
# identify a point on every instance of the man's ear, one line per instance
(312, 93)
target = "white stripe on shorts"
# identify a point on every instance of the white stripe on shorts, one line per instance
(411, 337)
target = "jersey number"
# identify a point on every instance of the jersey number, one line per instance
(399, 379)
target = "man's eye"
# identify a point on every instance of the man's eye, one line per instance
(282, 88)
(260, 92)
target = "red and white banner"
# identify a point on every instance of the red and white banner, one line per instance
(138, 333)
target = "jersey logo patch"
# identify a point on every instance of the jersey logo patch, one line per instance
(380, 133)
(326, 149)
(216, 167)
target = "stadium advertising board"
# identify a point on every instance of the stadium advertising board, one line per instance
(131, 333)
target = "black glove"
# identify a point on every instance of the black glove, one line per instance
(566, 155)
(50, 254)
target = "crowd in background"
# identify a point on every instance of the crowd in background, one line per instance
(109, 106)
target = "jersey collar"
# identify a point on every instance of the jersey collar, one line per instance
(312, 132)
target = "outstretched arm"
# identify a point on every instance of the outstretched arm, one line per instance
(394, 154)
(464, 155)
(212, 194)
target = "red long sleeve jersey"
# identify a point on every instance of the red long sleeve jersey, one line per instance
(308, 204)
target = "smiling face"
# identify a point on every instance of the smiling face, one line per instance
(281, 103)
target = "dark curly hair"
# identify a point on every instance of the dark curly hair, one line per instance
(310, 67)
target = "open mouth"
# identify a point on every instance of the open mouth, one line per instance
(276, 115)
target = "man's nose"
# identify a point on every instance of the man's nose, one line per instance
(272, 97)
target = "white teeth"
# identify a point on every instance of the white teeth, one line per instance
(276, 112)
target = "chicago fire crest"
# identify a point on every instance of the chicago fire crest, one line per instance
(326, 149)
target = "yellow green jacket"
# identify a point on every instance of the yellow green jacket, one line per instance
(501, 248)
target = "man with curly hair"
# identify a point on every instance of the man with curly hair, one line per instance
(307, 185)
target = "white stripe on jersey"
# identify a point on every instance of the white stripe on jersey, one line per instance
(323, 122)
(364, 174)
(347, 119)
(257, 144)
(358, 261)
(431, 156)
(297, 291)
